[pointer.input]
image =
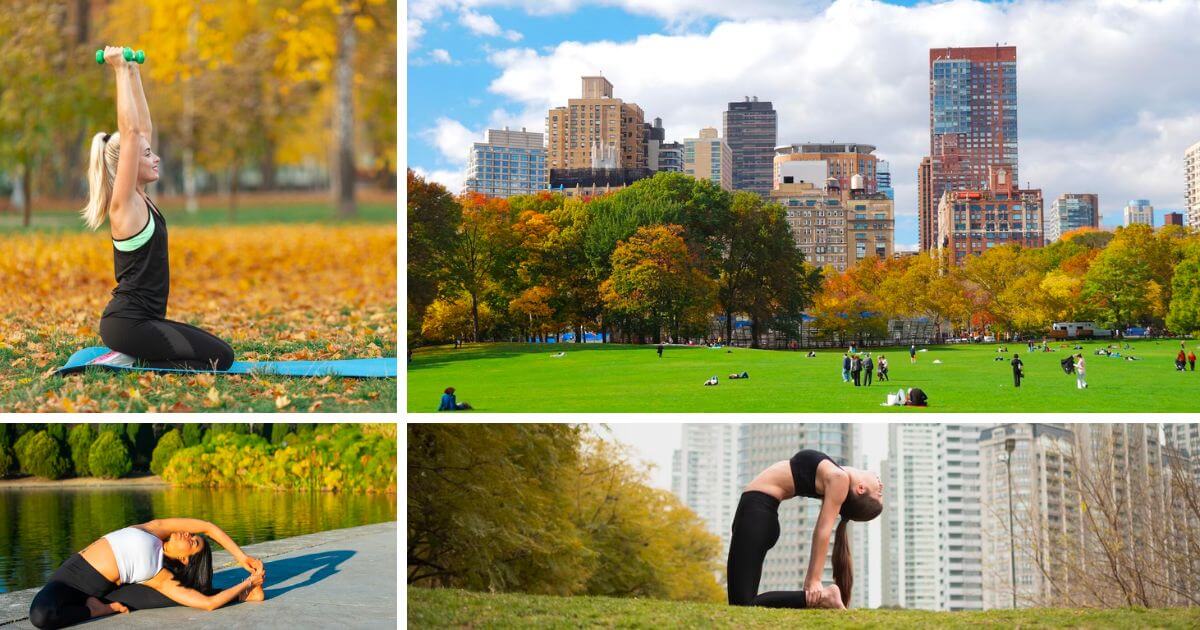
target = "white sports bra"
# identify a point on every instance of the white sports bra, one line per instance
(138, 553)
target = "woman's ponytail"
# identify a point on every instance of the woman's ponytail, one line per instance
(843, 567)
(100, 174)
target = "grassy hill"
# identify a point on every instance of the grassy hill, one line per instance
(445, 608)
(623, 378)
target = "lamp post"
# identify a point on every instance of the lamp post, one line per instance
(1010, 445)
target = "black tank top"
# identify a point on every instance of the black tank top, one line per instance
(143, 275)
(804, 472)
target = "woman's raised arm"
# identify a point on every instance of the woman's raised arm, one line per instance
(139, 99)
(129, 123)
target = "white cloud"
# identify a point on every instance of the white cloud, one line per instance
(1107, 94)
(415, 30)
(452, 139)
(481, 24)
(440, 55)
(451, 179)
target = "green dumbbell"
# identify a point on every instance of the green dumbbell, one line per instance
(136, 57)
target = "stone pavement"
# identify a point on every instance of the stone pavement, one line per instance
(344, 578)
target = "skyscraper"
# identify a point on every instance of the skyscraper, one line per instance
(750, 129)
(972, 119)
(1173, 218)
(1037, 479)
(931, 528)
(926, 207)
(704, 475)
(1072, 211)
(883, 179)
(1191, 181)
(909, 543)
(595, 122)
(759, 446)
(1139, 211)
(709, 157)
(509, 163)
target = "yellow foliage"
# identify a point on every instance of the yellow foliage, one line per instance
(263, 285)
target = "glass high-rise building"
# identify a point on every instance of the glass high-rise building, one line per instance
(972, 121)
(751, 128)
(509, 163)
(883, 179)
(704, 475)
(931, 554)
(1071, 211)
(1139, 211)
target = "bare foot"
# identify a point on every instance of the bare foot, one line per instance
(253, 595)
(100, 609)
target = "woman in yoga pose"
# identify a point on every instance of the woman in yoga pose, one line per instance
(134, 324)
(165, 562)
(852, 494)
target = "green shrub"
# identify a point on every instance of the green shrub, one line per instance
(340, 458)
(80, 442)
(168, 445)
(108, 457)
(19, 450)
(279, 431)
(193, 434)
(6, 434)
(58, 431)
(44, 457)
(6, 459)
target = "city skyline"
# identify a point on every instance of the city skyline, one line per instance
(542, 69)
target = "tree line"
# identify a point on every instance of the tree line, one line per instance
(672, 256)
(335, 457)
(232, 85)
(550, 509)
(651, 261)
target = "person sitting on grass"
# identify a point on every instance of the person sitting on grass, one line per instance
(736, 376)
(159, 563)
(450, 402)
(712, 380)
(849, 493)
(811, 355)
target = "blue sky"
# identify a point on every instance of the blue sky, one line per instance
(1103, 105)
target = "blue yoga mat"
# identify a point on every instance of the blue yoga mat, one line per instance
(356, 368)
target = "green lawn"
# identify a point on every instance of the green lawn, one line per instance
(622, 378)
(445, 608)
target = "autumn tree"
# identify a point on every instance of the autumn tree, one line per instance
(480, 262)
(655, 285)
(432, 222)
(1184, 314)
(760, 271)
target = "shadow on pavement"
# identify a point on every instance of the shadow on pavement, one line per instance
(280, 571)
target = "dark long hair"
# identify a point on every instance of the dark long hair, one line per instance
(197, 573)
(858, 507)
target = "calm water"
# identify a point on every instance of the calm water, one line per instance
(41, 528)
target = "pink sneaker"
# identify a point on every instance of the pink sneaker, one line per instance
(115, 359)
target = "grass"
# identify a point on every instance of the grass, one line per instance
(622, 378)
(278, 291)
(445, 608)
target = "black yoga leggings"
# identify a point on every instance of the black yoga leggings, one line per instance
(163, 343)
(755, 531)
(63, 601)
